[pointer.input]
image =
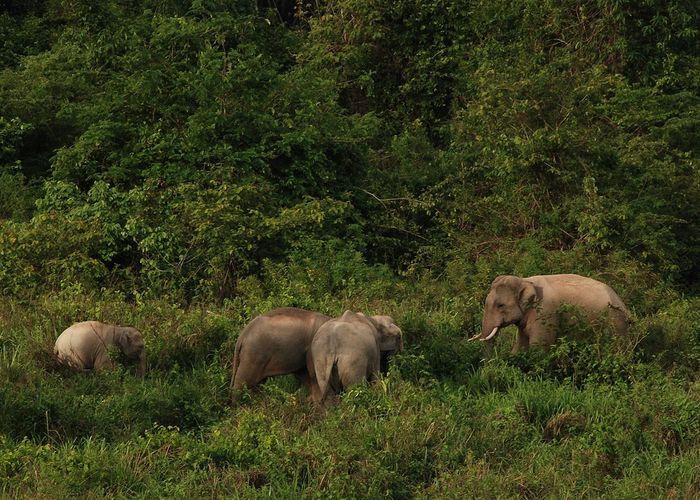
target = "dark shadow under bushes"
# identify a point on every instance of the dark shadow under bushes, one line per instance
(577, 362)
(110, 405)
(182, 339)
(436, 344)
(671, 337)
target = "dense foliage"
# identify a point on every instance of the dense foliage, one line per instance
(182, 165)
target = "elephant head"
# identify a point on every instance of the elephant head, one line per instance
(131, 344)
(390, 335)
(509, 299)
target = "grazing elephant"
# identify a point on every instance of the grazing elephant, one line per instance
(347, 350)
(85, 346)
(275, 343)
(533, 304)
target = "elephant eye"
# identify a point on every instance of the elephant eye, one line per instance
(499, 305)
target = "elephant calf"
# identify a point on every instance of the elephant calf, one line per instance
(347, 350)
(274, 343)
(85, 346)
(533, 304)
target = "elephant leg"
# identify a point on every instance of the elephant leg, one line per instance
(542, 334)
(103, 362)
(351, 371)
(488, 349)
(374, 368)
(248, 375)
(314, 391)
(521, 342)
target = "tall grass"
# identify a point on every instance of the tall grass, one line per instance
(584, 419)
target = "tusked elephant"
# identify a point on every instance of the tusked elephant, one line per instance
(85, 346)
(347, 350)
(274, 343)
(533, 305)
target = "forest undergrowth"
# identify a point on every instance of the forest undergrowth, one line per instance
(182, 166)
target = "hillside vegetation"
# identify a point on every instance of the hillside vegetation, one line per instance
(182, 166)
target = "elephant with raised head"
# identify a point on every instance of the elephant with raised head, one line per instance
(86, 345)
(275, 343)
(347, 350)
(533, 305)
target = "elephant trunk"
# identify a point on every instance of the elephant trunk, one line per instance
(488, 349)
(141, 366)
(488, 337)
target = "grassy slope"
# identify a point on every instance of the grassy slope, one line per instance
(586, 419)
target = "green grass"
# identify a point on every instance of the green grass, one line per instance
(584, 419)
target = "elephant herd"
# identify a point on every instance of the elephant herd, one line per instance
(330, 354)
(326, 354)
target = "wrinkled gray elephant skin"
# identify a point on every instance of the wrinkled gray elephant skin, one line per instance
(347, 351)
(534, 304)
(274, 343)
(86, 345)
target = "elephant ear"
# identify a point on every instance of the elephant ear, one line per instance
(527, 294)
(499, 279)
(372, 321)
(124, 340)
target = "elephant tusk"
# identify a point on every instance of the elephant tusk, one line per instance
(492, 334)
(474, 337)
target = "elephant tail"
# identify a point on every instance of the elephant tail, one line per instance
(324, 371)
